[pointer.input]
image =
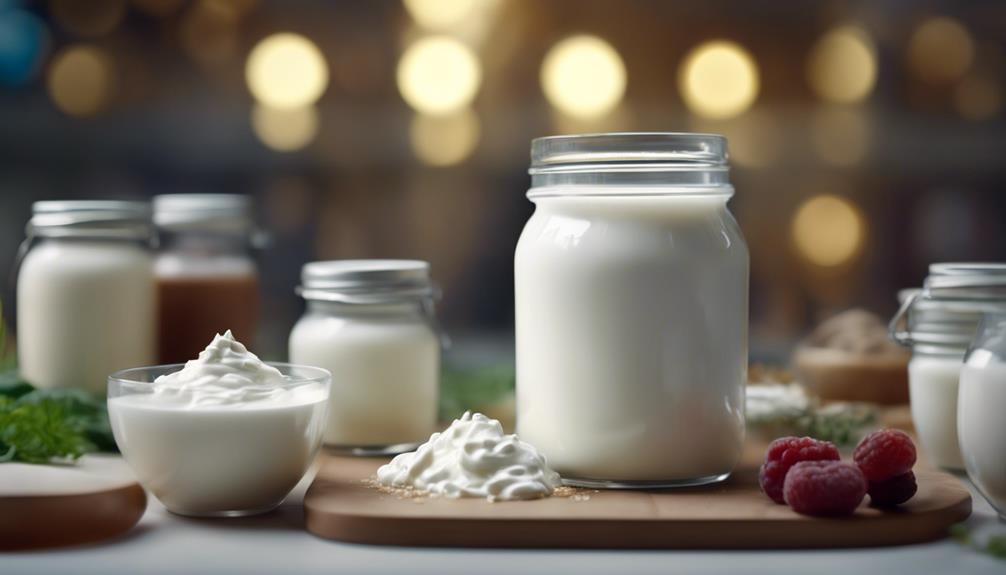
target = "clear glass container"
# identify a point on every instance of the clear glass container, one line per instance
(372, 324)
(219, 460)
(632, 310)
(981, 406)
(207, 276)
(938, 322)
(86, 301)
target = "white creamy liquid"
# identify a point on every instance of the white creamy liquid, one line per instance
(473, 458)
(85, 309)
(228, 433)
(982, 428)
(631, 319)
(385, 364)
(932, 386)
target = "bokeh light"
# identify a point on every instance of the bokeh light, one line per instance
(441, 14)
(445, 140)
(978, 97)
(24, 41)
(941, 50)
(828, 230)
(286, 70)
(718, 79)
(89, 18)
(753, 139)
(208, 31)
(438, 75)
(285, 129)
(80, 80)
(840, 135)
(583, 76)
(843, 65)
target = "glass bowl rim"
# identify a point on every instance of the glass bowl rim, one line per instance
(321, 375)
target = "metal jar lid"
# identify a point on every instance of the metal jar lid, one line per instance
(90, 218)
(367, 281)
(210, 212)
(944, 314)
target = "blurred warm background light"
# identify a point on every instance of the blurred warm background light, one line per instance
(285, 129)
(941, 50)
(840, 135)
(88, 18)
(286, 70)
(441, 14)
(438, 75)
(978, 97)
(583, 76)
(843, 65)
(828, 230)
(80, 80)
(445, 140)
(718, 79)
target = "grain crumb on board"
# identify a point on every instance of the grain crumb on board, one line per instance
(574, 493)
(420, 496)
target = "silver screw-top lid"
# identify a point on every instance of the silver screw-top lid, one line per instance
(367, 281)
(97, 218)
(944, 314)
(211, 212)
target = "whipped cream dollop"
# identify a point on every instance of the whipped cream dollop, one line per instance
(225, 373)
(473, 458)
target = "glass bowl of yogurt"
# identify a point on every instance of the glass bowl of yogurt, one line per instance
(222, 435)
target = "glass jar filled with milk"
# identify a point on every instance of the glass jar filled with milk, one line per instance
(981, 424)
(86, 301)
(938, 322)
(371, 323)
(207, 276)
(632, 310)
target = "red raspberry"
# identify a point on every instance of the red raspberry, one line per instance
(783, 453)
(885, 454)
(824, 488)
(893, 491)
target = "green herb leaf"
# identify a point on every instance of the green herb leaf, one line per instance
(37, 432)
(478, 388)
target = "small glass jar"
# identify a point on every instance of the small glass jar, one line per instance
(86, 302)
(632, 310)
(981, 407)
(207, 278)
(371, 323)
(938, 323)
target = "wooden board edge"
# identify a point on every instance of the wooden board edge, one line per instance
(25, 521)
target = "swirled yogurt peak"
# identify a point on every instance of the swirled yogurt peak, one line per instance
(225, 373)
(473, 458)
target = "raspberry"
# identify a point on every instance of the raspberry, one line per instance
(783, 453)
(893, 491)
(885, 454)
(824, 488)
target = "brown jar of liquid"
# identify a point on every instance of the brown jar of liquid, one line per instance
(207, 281)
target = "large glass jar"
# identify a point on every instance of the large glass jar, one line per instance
(981, 424)
(371, 323)
(207, 278)
(85, 293)
(632, 310)
(938, 323)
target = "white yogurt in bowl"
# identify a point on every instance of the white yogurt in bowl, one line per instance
(227, 434)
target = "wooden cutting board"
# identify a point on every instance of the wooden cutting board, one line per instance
(54, 506)
(732, 515)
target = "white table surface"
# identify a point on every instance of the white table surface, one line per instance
(277, 543)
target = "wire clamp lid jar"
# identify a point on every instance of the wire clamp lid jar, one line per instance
(938, 323)
(372, 324)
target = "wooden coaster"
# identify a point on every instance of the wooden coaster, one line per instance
(58, 505)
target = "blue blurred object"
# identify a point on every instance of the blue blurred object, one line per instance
(24, 40)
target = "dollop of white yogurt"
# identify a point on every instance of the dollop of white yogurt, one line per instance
(473, 458)
(225, 373)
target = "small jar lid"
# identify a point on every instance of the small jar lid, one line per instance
(366, 281)
(944, 314)
(103, 218)
(211, 212)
